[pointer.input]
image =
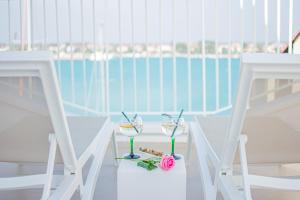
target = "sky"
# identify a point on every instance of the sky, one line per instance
(216, 18)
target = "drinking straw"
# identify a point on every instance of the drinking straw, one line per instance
(130, 122)
(134, 117)
(177, 122)
(167, 115)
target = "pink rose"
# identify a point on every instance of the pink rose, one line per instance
(167, 162)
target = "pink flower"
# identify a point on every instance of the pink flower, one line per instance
(167, 162)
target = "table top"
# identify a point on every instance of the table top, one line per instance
(148, 185)
(130, 166)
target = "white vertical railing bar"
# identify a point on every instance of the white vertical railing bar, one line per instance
(266, 20)
(203, 59)
(217, 58)
(58, 43)
(133, 57)
(189, 55)
(104, 78)
(174, 57)
(45, 24)
(98, 74)
(9, 24)
(161, 84)
(71, 53)
(31, 23)
(25, 25)
(97, 88)
(83, 54)
(254, 23)
(229, 54)
(290, 48)
(104, 73)
(147, 56)
(278, 25)
(28, 24)
(121, 56)
(21, 27)
(107, 100)
(93, 80)
(242, 25)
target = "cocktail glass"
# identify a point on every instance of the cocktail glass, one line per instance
(168, 126)
(131, 129)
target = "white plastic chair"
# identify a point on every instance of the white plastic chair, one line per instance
(270, 126)
(33, 124)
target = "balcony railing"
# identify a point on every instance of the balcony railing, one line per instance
(99, 73)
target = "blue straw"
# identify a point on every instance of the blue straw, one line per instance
(130, 122)
(177, 122)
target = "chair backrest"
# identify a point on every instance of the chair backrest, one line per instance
(31, 108)
(256, 70)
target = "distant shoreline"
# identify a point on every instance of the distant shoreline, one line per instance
(137, 56)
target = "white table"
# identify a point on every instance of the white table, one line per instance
(136, 183)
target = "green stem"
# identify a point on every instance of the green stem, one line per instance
(173, 145)
(131, 145)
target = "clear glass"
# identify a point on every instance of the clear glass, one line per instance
(169, 128)
(131, 129)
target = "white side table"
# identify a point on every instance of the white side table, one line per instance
(136, 183)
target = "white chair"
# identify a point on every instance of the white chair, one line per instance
(271, 127)
(33, 124)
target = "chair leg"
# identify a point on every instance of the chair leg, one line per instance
(244, 165)
(92, 177)
(50, 167)
(115, 148)
(189, 148)
(81, 185)
(209, 188)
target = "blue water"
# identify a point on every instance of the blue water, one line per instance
(95, 89)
